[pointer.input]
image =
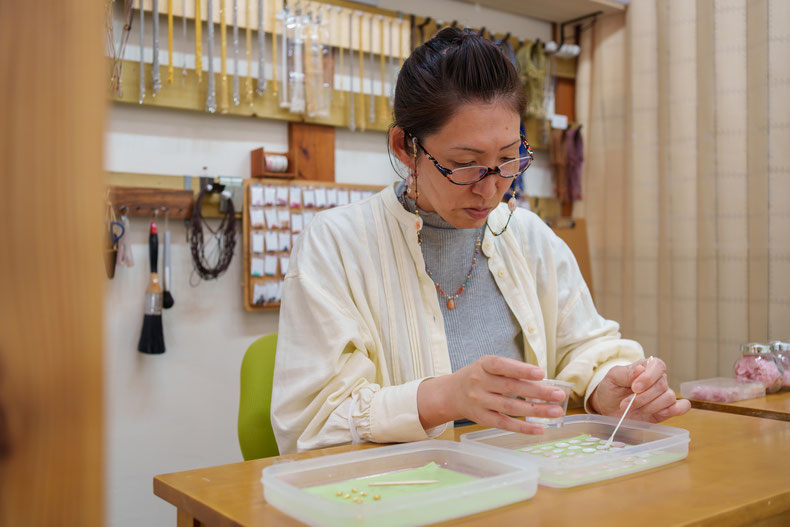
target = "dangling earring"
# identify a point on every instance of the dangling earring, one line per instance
(416, 190)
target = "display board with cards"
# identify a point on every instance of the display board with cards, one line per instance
(275, 214)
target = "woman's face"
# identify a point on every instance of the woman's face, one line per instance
(484, 134)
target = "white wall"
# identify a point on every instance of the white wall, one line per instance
(178, 411)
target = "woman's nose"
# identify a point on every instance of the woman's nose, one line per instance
(487, 187)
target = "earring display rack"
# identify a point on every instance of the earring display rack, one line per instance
(302, 209)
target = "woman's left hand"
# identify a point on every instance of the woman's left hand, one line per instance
(655, 401)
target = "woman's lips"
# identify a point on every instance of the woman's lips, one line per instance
(477, 214)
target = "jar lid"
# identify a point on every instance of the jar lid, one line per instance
(778, 345)
(755, 348)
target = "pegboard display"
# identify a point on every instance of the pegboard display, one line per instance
(275, 214)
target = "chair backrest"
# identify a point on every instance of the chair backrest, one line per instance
(256, 437)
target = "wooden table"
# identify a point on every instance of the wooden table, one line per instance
(772, 406)
(737, 473)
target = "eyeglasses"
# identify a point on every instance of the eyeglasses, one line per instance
(471, 175)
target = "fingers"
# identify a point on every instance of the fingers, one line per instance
(518, 408)
(650, 394)
(665, 400)
(653, 370)
(680, 407)
(511, 424)
(510, 368)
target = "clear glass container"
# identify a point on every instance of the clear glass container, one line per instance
(781, 351)
(757, 363)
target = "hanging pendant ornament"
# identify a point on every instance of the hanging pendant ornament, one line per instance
(199, 41)
(372, 116)
(170, 65)
(248, 49)
(142, 53)
(285, 101)
(262, 50)
(183, 38)
(336, 24)
(352, 124)
(156, 80)
(236, 99)
(274, 48)
(382, 59)
(391, 69)
(223, 58)
(361, 76)
(211, 96)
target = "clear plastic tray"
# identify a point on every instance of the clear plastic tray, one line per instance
(648, 446)
(722, 390)
(500, 478)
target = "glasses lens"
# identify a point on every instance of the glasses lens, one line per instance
(515, 167)
(468, 174)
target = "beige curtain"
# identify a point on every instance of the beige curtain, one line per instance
(686, 107)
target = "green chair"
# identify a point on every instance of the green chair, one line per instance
(256, 437)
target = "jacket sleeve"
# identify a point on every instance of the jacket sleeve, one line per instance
(587, 345)
(328, 382)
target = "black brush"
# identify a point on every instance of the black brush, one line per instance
(152, 339)
(167, 298)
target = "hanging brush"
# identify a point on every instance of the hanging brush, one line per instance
(167, 298)
(152, 340)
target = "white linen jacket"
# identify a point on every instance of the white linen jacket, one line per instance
(360, 323)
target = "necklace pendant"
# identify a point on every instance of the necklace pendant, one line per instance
(450, 304)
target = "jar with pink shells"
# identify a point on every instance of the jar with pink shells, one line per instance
(757, 363)
(781, 351)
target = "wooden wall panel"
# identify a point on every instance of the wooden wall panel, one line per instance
(52, 100)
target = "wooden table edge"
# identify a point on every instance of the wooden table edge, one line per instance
(739, 410)
(191, 511)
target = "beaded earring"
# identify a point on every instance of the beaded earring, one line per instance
(416, 190)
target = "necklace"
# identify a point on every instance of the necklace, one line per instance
(451, 299)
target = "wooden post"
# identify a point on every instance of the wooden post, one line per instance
(52, 101)
(312, 151)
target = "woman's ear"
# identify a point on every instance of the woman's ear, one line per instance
(396, 139)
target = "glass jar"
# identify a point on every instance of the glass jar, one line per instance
(781, 351)
(757, 363)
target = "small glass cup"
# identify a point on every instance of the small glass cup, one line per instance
(551, 422)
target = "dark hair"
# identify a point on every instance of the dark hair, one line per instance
(453, 68)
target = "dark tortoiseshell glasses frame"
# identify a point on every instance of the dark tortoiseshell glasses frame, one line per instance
(483, 170)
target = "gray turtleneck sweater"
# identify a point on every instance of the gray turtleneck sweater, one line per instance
(481, 323)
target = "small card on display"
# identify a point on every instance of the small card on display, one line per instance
(308, 217)
(284, 264)
(342, 197)
(257, 242)
(269, 265)
(272, 242)
(296, 197)
(320, 197)
(256, 196)
(297, 223)
(271, 218)
(256, 266)
(282, 196)
(269, 195)
(284, 218)
(256, 218)
(309, 197)
(284, 241)
(331, 197)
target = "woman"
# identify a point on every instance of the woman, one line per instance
(432, 301)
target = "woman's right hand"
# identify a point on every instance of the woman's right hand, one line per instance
(479, 392)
